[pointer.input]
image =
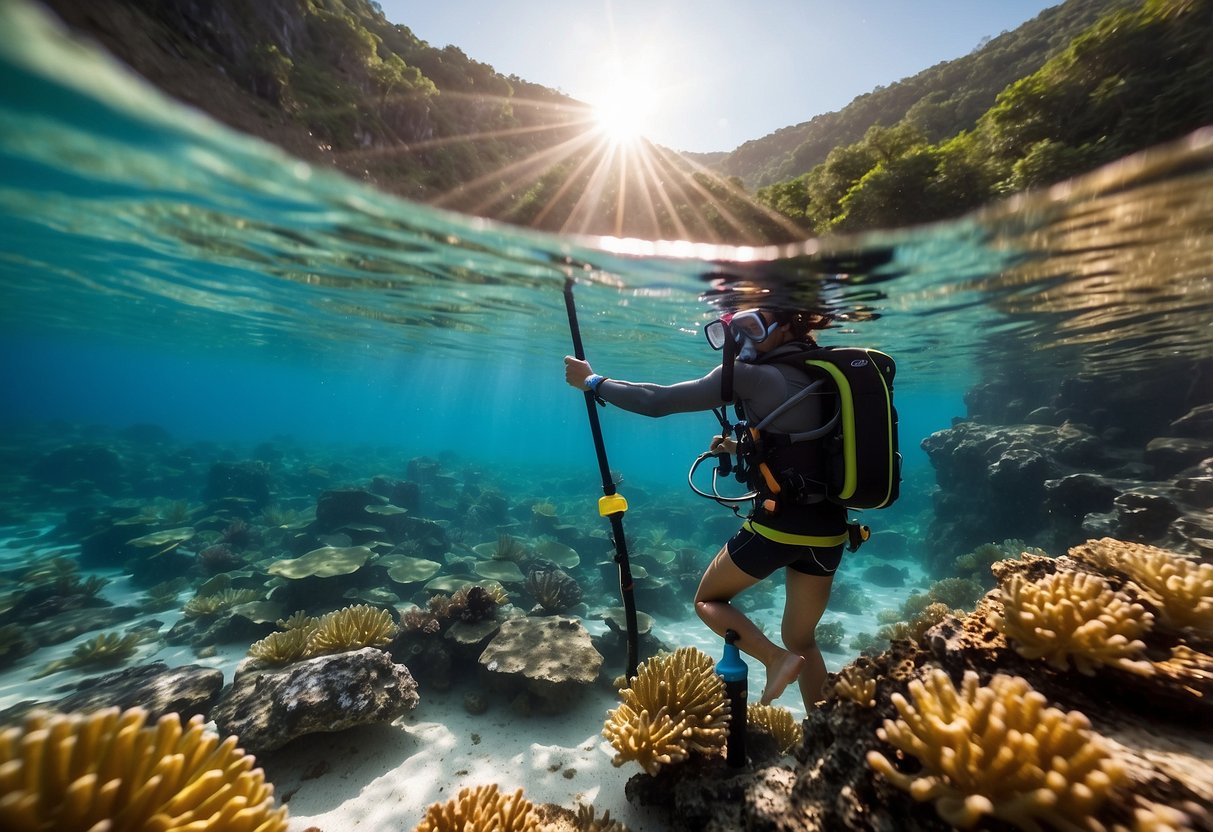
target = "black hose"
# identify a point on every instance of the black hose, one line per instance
(626, 583)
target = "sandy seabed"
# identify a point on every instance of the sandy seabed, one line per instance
(384, 777)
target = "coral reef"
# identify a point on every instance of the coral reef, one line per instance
(106, 650)
(1035, 748)
(163, 595)
(554, 590)
(856, 685)
(109, 770)
(299, 620)
(918, 625)
(829, 636)
(587, 822)
(1074, 617)
(1181, 589)
(997, 750)
(351, 628)
(976, 564)
(481, 809)
(204, 605)
(675, 706)
(281, 648)
(778, 722)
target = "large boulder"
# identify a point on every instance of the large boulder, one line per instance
(268, 709)
(549, 659)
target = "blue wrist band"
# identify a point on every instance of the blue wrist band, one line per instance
(593, 381)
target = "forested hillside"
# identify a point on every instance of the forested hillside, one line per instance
(941, 100)
(333, 81)
(1137, 77)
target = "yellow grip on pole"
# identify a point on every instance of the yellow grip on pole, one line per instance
(610, 504)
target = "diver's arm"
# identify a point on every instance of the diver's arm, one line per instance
(750, 382)
(662, 400)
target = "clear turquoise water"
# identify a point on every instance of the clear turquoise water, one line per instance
(157, 268)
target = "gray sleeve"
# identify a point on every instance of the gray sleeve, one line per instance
(662, 400)
(763, 388)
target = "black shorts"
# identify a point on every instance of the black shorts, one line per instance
(758, 556)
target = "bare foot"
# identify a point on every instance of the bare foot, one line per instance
(781, 674)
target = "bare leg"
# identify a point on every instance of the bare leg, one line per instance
(721, 582)
(806, 600)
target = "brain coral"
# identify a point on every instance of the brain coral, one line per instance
(1181, 588)
(997, 750)
(482, 809)
(1074, 617)
(675, 706)
(109, 771)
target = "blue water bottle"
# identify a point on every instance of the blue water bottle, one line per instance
(733, 671)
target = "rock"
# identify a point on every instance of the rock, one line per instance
(187, 690)
(98, 464)
(550, 657)
(1196, 423)
(68, 624)
(239, 480)
(1077, 495)
(1019, 474)
(1171, 454)
(885, 575)
(344, 507)
(1139, 516)
(329, 693)
(1042, 416)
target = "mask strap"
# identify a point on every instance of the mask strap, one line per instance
(726, 369)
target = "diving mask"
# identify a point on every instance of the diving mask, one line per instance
(746, 328)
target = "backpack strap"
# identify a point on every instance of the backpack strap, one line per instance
(803, 436)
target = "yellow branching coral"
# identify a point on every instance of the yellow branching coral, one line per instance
(588, 822)
(779, 723)
(281, 648)
(675, 706)
(482, 809)
(352, 628)
(1074, 617)
(109, 770)
(1181, 588)
(299, 620)
(105, 650)
(857, 686)
(997, 750)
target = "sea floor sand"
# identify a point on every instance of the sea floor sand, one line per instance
(384, 777)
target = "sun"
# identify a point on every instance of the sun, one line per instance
(624, 113)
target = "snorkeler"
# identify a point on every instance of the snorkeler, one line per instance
(806, 535)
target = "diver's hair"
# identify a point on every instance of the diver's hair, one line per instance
(802, 322)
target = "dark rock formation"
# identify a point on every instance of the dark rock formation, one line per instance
(1054, 486)
(246, 481)
(268, 709)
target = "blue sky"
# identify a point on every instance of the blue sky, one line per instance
(712, 74)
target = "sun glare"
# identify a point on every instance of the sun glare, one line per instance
(625, 113)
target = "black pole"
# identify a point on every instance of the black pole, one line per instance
(611, 505)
